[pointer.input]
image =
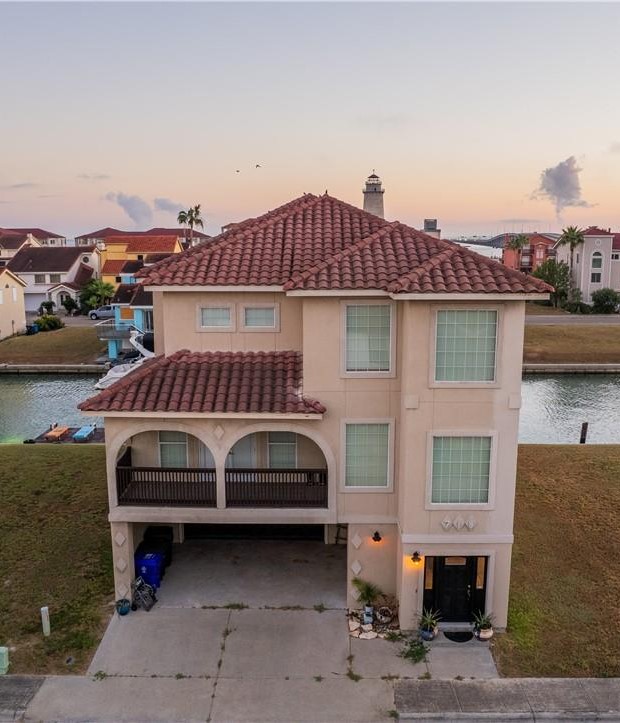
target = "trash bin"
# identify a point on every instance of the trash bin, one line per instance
(163, 536)
(149, 566)
(161, 547)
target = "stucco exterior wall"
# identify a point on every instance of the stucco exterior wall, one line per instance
(12, 312)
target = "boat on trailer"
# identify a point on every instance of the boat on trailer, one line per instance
(136, 339)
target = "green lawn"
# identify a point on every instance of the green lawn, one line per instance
(71, 345)
(563, 344)
(565, 587)
(54, 550)
(534, 308)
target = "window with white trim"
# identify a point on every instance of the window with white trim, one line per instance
(213, 317)
(615, 257)
(597, 260)
(54, 278)
(595, 277)
(14, 293)
(173, 449)
(39, 278)
(367, 454)
(259, 317)
(465, 345)
(1, 296)
(368, 337)
(461, 468)
(282, 450)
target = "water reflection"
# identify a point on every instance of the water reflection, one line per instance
(30, 403)
(555, 406)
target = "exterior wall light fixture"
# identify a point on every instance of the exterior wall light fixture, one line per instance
(416, 558)
(376, 537)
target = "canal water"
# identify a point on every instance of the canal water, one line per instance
(552, 411)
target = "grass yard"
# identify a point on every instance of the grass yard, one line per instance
(563, 344)
(564, 617)
(71, 345)
(533, 308)
(54, 550)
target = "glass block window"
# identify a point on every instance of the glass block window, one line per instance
(259, 316)
(215, 316)
(366, 455)
(282, 450)
(173, 449)
(465, 346)
(461, 469)
(597, 260)
(368, 337)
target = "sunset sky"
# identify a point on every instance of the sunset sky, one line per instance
(459, 107)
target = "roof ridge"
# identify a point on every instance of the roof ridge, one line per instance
(339, 255)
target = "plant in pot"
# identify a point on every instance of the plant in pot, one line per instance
(483, 625)
(368, 594)
(429, 624)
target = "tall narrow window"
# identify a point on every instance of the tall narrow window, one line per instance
(282, 450)
(14, 293)
(173, 449)
(465, 345)
(597, 260)
(367, 455)
(461, 470)
(368, 329)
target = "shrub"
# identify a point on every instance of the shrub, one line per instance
(48, 322)
(70, 304)
(46, 307)
(605, 301)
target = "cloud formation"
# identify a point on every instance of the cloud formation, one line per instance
(165, 204)
(93, 176)
(135, 207)
(17, 186)
(560, 185)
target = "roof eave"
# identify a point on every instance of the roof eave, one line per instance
(204, 415)
(456, 296)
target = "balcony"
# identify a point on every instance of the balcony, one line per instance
(276, 488)
(110, 329)
(169, 487)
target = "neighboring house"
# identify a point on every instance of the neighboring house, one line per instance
(499, 241)
(321, 366)
(596, 262)
(12, 308)
(539, 248)
(45, 238)
(11, 242)
(133, 309)
(52, 274)
(117, 251)
(103, 234)
(120, 271)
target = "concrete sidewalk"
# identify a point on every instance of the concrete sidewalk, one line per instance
(509, 699)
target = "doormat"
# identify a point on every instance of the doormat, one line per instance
(459, 636)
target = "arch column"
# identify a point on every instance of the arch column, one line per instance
(220, 483)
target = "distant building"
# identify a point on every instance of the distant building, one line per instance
(45, 238)
(119, 251)
(12, 311)
(11, 242)
(102, 235)
(539, 248)
(430, 228)
(373, 196)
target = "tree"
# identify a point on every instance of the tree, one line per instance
(556, 274)
(69, 304)
(190, 218)
(516, 244)
(605, 301)
(96, 293)
(46, 307)
(571, 237)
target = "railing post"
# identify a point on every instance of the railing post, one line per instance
(220, 485)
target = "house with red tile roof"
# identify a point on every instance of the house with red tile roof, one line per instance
(12, 241)
(45, 238)
(103, 235)
(596, 262)
(322, 367)
(537, 250)
(120, 251)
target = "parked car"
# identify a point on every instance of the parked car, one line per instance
(103, 312)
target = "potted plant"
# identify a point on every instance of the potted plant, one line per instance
(483, 625)
(368, 593)
(429, 624)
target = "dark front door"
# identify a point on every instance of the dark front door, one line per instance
(455, 586)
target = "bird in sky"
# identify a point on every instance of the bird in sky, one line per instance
(258, 165)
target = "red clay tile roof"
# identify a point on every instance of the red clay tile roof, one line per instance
(141, 243)
(102, 233)
(112, 267)
(39, 233)
(178, 232)
(321, 243)
(221, 382)
(596, 231)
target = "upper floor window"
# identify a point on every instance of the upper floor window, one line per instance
(39, 278)
(54, 278)
(14, 293)
(367, 454)
(218, 318)
(465, 347)
(595, 277)
(368, 337)
(260, 317)
(282, 450)
(173, 449)
(615, 257)
(1, 296)
(597, 260)
(461, 469)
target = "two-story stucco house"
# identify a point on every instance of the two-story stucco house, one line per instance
(12, 309)
(319, 365)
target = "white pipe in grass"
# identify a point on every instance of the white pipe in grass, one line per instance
(45, 620)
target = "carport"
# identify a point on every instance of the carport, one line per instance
(255, 566)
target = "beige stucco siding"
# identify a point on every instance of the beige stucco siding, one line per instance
(12, 312)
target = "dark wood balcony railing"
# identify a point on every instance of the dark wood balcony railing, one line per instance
(276, 488)
(177, 487)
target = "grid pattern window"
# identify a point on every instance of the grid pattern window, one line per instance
(597, 260)
(173, 449)
(368, 337)
(39, 278)
(461, 470)
(282, 450)
(615, 257)
(465, 346)
(54, 278)
(595, 277)
(215, 316)
(367, 455)
(259, 316)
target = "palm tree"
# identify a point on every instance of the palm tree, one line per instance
(191, 218)
(516, 243)
(96, 293)
(571, 237)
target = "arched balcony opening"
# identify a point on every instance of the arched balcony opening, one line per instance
(166, 468)
(276, 469)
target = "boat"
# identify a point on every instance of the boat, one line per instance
(136, 340)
